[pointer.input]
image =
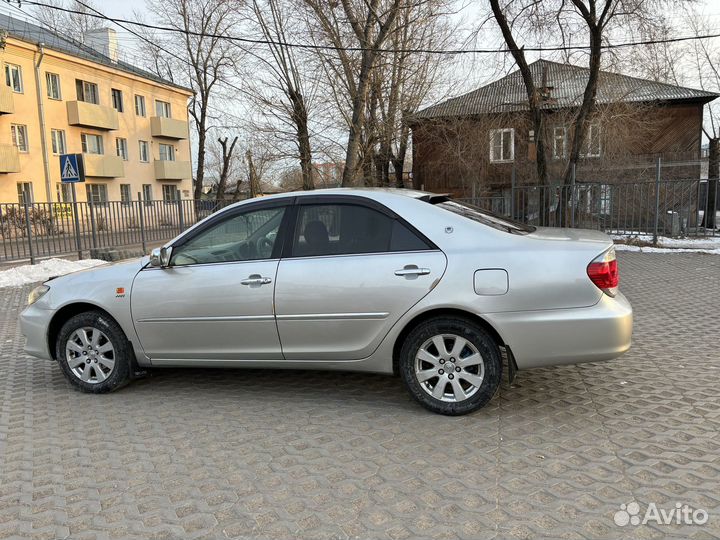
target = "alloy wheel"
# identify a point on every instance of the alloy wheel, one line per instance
(90, 355)
(449, 368)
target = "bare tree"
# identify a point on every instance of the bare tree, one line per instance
(284, 73)
(591, 21)
(226, 165)
(75, 22)
(356, 29)
(201, 53)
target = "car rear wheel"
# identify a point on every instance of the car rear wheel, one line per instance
(94, 353)
(450, 365)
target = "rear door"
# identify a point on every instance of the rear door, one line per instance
(351, 269)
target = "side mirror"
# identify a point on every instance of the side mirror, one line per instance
(160, 257)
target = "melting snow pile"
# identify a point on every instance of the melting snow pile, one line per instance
(31, 273)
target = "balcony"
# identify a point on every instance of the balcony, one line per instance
(90, 115)
(168, 128)
(103, 166)
(172, 170)
(9, 158)
(7, 100)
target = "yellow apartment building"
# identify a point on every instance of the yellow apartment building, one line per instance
(64, 96)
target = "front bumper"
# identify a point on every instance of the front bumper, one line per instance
(567, 336)
(34, 322)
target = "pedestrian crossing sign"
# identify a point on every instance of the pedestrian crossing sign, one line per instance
(71, 168)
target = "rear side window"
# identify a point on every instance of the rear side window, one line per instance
(345, 229)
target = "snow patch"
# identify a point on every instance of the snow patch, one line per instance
(710, 244)
(31, 273)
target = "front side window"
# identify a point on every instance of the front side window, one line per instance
(249, 236)
(140, 105)
(13, 77)
(559, 142)
(57, 137)
(92, 144)
(344, 229)
(52, 81)
(502, 145)
(121, 148)
(96, 193)
(162, 109)
(19, 137)
(144, 150)
(117, 100)
(87, 91)
(167, 152)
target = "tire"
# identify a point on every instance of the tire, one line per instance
(94, 353)
(470, 365)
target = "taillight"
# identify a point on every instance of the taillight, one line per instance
(603, 272)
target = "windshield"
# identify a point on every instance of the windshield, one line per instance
(485, 217)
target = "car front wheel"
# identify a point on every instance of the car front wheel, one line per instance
(94, 353)
(450, 365)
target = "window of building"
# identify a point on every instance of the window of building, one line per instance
(162, 109)
(170, 193)
(140, 105)
(117, 100)
(502, 145)
(605, 199)
(559, 142)
(25, 192)
(87, 91)
(592, 141)
(144, 151)
(92, 144)
(64, 192)
(52, 80)
(96, 193)
(167, 152)
(19, 137)
(59, 145)
(121, 148)
(125, 194)
(147, 192)
(342, 229)
(13, 77)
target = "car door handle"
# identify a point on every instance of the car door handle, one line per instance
(412, 270)
(256, 279)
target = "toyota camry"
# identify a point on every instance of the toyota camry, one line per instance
(389, 281)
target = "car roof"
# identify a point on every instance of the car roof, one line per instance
(363, 191)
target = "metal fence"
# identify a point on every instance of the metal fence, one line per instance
(675, 208)
(50, 229)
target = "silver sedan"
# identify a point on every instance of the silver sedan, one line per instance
(389, 281)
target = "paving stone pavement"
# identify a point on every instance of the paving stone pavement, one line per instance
(261, 454)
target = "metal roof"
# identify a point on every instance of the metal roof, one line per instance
(26, 31)
(566, 84)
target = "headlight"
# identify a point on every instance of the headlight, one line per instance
(37, 293)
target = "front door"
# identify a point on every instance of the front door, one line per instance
(215, 300)
(352, 271)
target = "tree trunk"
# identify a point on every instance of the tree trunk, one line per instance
(202, 139)
(710, 217)
(252, 175)
(227, 153)
(300, 119)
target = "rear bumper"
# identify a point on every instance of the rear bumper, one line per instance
(567, 336)
(34, 326)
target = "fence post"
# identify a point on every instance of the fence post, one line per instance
(181, 219)
(658, 169)
(572, 196)
(512, 192)
(28, 228)
(78, 242)
(93, 228)
(142, 221)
